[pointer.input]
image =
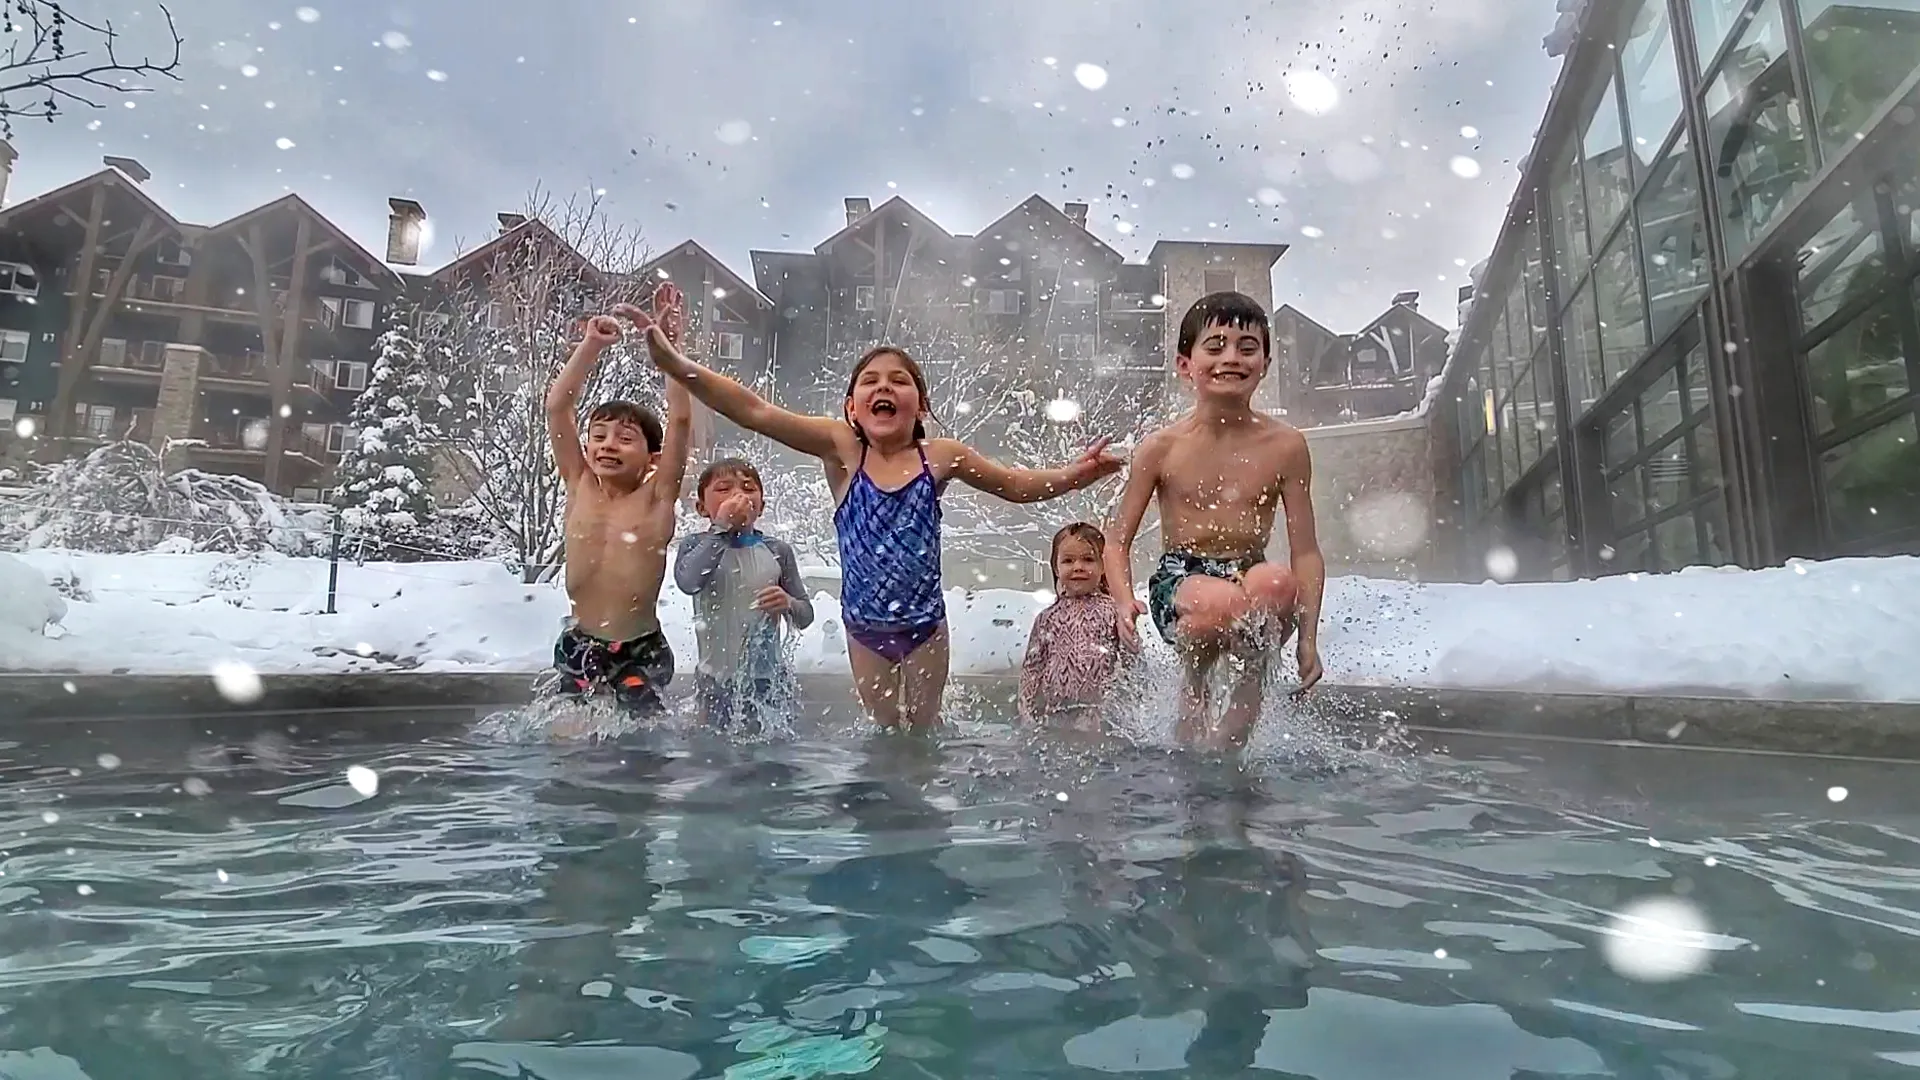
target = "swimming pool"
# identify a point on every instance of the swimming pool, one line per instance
(191, 901)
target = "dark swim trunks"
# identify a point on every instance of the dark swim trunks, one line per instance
(1176, 567)
(635, 670)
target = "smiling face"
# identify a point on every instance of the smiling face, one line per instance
(886, 401)
(1226, 361)
(1076, 566)
(617, 450)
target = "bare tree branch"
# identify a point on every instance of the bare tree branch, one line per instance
(41, 59)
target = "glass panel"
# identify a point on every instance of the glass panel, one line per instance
(1490, 461)
(1571, 250)
(1509, 451)
(1629, 554)
(1652, 80)
(1699, 381)
(1550, 495)
(1524, 423)
(1714, 533)
(1660, 410)
(1603, 153)
(1861, 367)
(1873, 482)
(1543, 413)
(1582, 350)
(1708, 473)
(1502, 355)
(1843, 262)
(1628, 506)
(1519, 322)
(1858, 52)
(1623, 322)
(1675, 543)
(1758, 131)
(1712, 19)
(1666, 477)
(1622, 439)
(1535, 276)
(1673, 238)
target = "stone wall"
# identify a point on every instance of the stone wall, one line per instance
(1373, 498)
(1183, 281)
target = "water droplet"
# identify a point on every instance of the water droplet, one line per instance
(237, 682)
(1313, 92)
(108, 761)
(1469, 132)
(1658, 939)
(1312, 232)
(734, 132)
(307, 14)
(1464, 167)
(196, 787)
(1091, 76)
(1182, 171)
(395, 40)
(1836, 794)
(1060, 796)
(49, 817)
(283, 143)
(1063, 410)
(1119, 121)
(436, 75)
(249, 70)
(25, 427)
(85, 890)
(363, 780)
(1268, 196)
(1502, 563)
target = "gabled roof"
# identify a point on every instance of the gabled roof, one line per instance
(520, 233)
(298, 204)
(771, 268)
(1271, 251)
(913, 211)
(104, 176)
(1410, 311)
(734, 280)
(1036, 202)
(1305, 318)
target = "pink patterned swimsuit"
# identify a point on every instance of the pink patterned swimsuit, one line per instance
(1072, 655)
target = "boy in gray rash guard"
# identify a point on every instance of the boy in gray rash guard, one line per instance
(742, 582)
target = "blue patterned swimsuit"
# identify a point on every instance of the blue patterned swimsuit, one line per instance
(890, 562)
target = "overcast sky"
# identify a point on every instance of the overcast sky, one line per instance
(1378, 138)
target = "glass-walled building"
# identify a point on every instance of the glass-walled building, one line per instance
(1696, 339)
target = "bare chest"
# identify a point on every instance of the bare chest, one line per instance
(1209, 476)
(597, 520)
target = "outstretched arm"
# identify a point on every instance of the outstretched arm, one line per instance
(676, 443)
(563, 430)
(816, 435)
(698, 558)
(978, 471)
(1303, 542)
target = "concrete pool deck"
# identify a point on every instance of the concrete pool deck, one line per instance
(1853, 729)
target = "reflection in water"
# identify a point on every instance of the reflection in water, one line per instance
(904, 907)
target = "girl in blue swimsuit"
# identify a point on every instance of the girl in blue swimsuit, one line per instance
(887, 476)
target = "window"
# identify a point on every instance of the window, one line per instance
(1873, 483)
(1623, 320)
(1077, 346)
(863, 298)
(166, 288)
(338, 311)
(1843, 263)
(1661, 467)
(1758, 130)
(322, 372)
(1003, 301)
(1569, 205)
(1079, 292)
(1603, 154)
(339, 273)
(1585, 377)
(1535, 278)
(19, 279)
(349, 375)
(170, 253)
(336, 438)
(1673, 239)
(1652, 81)
(317, 433)
(1713, 20)
(499, 315)
(306, 495)
(13, 345)
(729, 346)
(1857, 54)
(96, 421)
(8, 409)
(1858, 368)
(1218, 281)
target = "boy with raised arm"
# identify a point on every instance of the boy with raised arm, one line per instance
(622, 483)
(1219, 474)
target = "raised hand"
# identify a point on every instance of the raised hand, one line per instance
(1097, 462)
(602, 331)
(669, 310)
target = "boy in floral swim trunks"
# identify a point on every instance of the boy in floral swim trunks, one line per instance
(1220, 472)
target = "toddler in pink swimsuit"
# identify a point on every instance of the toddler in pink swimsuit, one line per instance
(1074, 649)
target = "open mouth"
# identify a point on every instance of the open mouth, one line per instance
(609, 462)
(882, 407)
(1230, 376)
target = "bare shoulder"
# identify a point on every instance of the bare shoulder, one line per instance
(1289, 441)
(1153, 448)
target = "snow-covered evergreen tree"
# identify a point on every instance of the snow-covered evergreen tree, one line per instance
(384, 479)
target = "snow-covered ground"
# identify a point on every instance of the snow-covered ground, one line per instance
(1841, 630)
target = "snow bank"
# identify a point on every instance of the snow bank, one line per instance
(1839, 630)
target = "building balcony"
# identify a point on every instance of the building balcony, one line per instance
(243, 439)
(167, 295)
(249, 373)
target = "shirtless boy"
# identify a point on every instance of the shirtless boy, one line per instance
(1220, 472)
(622, 483)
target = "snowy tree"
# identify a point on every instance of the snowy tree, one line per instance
(497, 336)
(384, 479)
(119, 499)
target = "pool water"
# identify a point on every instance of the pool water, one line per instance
(224, 902)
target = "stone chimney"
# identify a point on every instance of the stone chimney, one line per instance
(1409, 300)
(1076, 212)
(135, 171)
(510, 222)
(858, 208)
(7, 157)
(403, 231)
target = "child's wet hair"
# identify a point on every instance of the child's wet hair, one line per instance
(627, 412)
(1238, 310)
(737, 467)
(913, 372)
(1083, 531)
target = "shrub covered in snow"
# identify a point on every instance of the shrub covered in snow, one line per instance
(119, 499)
(384, 491)
(27, 602)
